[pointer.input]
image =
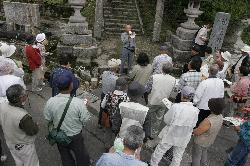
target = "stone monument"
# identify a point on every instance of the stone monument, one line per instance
(181, 42)
(219, 30)
(21, 14)
(99, 20)
(77, 40)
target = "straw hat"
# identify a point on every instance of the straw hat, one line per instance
(40, 37)
(114, 63)
(246, 49)
(7, 50)
(226, 55)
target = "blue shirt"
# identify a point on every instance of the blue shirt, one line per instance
(119, 159)
(59, 71)
(245, 132)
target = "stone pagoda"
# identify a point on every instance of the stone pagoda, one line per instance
(77, 39)
(181, 42)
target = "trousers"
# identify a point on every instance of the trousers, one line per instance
(24, 155)
(152, 125)
(37, 78)
(161, 149)
(239, 155)
(80, 155)
(101, 110)
(199, 155)
(127, 56)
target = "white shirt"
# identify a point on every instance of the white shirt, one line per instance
(180, 121)
(223, 73)
(8, 80)
(162, 87)
(202, 34)
(208, 89)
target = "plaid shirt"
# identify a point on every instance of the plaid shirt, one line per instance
(192, 78)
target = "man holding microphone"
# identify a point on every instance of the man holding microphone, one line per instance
(128, 50)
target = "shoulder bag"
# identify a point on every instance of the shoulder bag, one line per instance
(56, 135)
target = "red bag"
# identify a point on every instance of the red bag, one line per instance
(105, 120)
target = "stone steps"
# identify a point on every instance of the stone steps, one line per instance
(119, 13)
(118, 17)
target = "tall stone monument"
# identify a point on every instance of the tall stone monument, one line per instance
(219, 30)
(77, 39)
(181, 42)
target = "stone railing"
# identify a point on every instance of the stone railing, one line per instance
(21, 14)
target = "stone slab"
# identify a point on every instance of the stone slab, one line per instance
(85, 55)
(62, 49)
(219, 30)
(77, 28)
(180, 44)
(22, 13)
(73, 39)
(185, 34)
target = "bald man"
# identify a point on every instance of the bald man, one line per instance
(128, 50)
(212, 87)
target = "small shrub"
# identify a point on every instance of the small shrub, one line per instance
(245, 36)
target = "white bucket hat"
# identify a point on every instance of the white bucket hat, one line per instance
(40, 37)
(114, 63)
(7, 50)
(226, 55)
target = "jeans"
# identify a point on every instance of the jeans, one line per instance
(199, 156)
(80, 157)
(238, 156)
(161, 149)
(127, 56)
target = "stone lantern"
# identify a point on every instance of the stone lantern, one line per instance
(181, 42)
(77, 39)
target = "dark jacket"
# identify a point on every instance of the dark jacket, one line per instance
(56, 73)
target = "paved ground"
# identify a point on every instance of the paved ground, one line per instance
(97, 140)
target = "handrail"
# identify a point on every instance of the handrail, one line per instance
(139, 16)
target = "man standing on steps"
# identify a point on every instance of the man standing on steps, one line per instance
(128, 50)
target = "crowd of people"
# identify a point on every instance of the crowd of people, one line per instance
(132, 104)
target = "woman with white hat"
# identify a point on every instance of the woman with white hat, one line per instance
(7, 51)
(226, 59)
(243, 60)
(41, 41)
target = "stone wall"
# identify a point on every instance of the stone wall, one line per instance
(24, 14)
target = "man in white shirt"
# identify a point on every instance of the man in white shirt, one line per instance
(212, 87)
(180, 121)
(160, 86)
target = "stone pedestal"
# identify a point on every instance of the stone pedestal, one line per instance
(181, 42)
(77, 40)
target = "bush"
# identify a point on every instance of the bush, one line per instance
(245, 36)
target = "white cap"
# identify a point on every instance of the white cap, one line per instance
(7, 50)
(114, 63)
(40, 37)
(226, 55)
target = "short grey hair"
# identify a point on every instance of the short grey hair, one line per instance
(134, 137)
(213, 70)
(14, 93)
(167, 68)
